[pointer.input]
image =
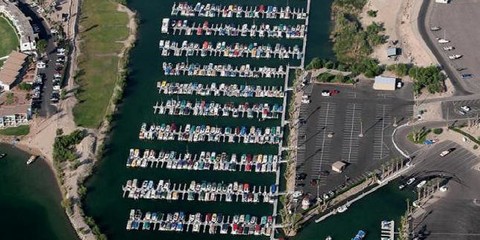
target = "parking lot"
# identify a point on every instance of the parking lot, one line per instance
(331, 131)
(455, 214)
(461, 109)
(458, 22)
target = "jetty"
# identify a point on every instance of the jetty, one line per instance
(199, 191)
(212, 223)
(237, 11)
(220, 90)
(222, 70)
(205, 161)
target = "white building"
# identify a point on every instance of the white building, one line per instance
(22, 25)
(385, 83)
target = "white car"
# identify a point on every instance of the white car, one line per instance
(326, 93)
(444, 153)
(306, 101)
(465, 108)
(399, 84)
(443, 188)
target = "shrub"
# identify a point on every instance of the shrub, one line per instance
(437, 131)
(372, 13)
(475, 147)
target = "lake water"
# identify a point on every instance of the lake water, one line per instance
(30, 200)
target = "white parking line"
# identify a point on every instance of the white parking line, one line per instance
(383, 130)
(324, 133)
(351, 134)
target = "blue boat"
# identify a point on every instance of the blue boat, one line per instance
(360, 235)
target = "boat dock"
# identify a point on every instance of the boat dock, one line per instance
(199, 191)
(222, 70)
(219, 89)
(211, 223)
(221, 49)
(262, 30)
(237, 11)
(260, 163)
(207, 133)
(388, 230)
(212, 109)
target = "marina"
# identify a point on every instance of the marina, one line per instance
(219, 90)
(222, 49)
(237, 11)
(222, 70)
(213, 223)
(263, 30)
(259, 163)
(199, 191)
(207, 133)
(212, 109)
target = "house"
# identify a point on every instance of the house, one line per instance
(22, 25)
(12, 70)
(385, 83)
(13, 116)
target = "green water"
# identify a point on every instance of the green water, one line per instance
(30, 200)
(387, 203)
(104, 198)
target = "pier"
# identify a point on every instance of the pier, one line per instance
(236, 50)
(205, 161)
(211, 223)
(199, 191)
(222, 70)
(207, 133)
(262, 111)
(184, 27)
(220, 89)
(237, 11)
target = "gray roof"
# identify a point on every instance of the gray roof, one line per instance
(392, 52)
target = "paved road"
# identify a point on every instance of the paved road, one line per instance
(455, 214)
(46, 108)
(424, 24)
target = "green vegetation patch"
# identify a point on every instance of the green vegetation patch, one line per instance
(467, 135)
(418, 136)
(102, 26)
(16, 131)
(8, 39)
(327, 77)
(430, 78)
(64, 146)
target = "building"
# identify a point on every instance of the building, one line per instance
(385, 83)
(13, 116)
(338, 166)
(393, 52)
(441, 1)
(12, 70)
(22, 24)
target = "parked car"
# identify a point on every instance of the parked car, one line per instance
(467, 75)
(325, 93)
(465, 108)
(444, 153)
(334, 92)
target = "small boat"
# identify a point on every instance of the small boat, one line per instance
(448, 48)
(3, 155)
(455, 56)
(342, 209)
(410, 181)
(360, 235)
(31, 159)
(328, 238)
(435, 28)
(421, 184)
(443, 40)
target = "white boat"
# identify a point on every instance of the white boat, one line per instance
(342, 209)
(435, 28)
(31, 159)
(421, 184)
(165, 23)
(410, 181)
(448, 48)
(455, 56)
(443, 40)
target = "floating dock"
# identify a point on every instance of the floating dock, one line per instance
(211, 223)
(237, 11)
(219, 89)
(205, 161)
(221, 70)
(199, 191)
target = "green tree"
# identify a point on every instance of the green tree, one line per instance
(10, 98)
(42, 45)
(25, 86)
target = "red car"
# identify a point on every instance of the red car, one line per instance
(334, 92)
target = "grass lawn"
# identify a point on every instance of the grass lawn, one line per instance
(8, 39)
(101, 27)
(16, 131)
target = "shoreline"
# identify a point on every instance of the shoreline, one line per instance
(42, 135)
